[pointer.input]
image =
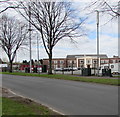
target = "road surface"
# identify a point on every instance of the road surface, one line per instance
(67, 97)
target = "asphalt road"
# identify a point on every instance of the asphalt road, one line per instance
(67, 97)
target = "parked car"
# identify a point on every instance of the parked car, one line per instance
(66, 69)
(39, 69)
(58, 69)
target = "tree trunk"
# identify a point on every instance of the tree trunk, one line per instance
(10, 67)
(50, 63)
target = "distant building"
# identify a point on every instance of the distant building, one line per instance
(85, 61)
(82, 61)
(3, 66)
(56, 62)
(1, 61)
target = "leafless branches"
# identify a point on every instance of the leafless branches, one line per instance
(105, 7)
(9, 6)
(12, 35)
(53, 20)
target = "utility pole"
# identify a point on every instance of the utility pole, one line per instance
(119, 36)
(30, 38)
(37, 47)
(119, 49)
(72, 66)
(119, 29)
(16, 58)
(38, 53)
(97, 42)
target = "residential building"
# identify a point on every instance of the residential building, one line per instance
(56, 62)
(78, 61)
(85, 61)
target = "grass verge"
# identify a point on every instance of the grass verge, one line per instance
(20, 106)
(69, 77)
(0, 106)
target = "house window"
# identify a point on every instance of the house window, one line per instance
(106, 61)
(74, 61)
(55, 62)
(95, 61)
(88, 61)
(61, 61)
(81, 61)
(55, 66)
(102, 61)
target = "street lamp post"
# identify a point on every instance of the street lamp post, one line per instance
(119, 34)
(37, 47)
(30, 38)
(97, 42)
(38, 53)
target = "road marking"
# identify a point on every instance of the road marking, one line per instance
(35, 101)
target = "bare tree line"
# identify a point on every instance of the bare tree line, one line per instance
(55, 21)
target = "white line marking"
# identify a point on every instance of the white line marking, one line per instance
(35, 101)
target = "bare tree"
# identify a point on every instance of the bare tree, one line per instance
(12, 35)
(54, 21)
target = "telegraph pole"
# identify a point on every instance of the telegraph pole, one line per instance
(38, 53)
(119, 36)
(118, 51)
(119, 30)
(30, 38)
(97, 42)
(37, 47)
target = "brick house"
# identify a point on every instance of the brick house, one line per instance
(85, 61)
(81, 61)
(56, 62)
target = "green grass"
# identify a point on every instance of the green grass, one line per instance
(118, 76)
(70, 77)
(14, 107)
(0, 106)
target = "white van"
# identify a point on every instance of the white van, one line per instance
(115, 67)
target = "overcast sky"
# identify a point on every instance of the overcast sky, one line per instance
(83, 45)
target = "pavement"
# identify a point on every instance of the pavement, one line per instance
(66, 97)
